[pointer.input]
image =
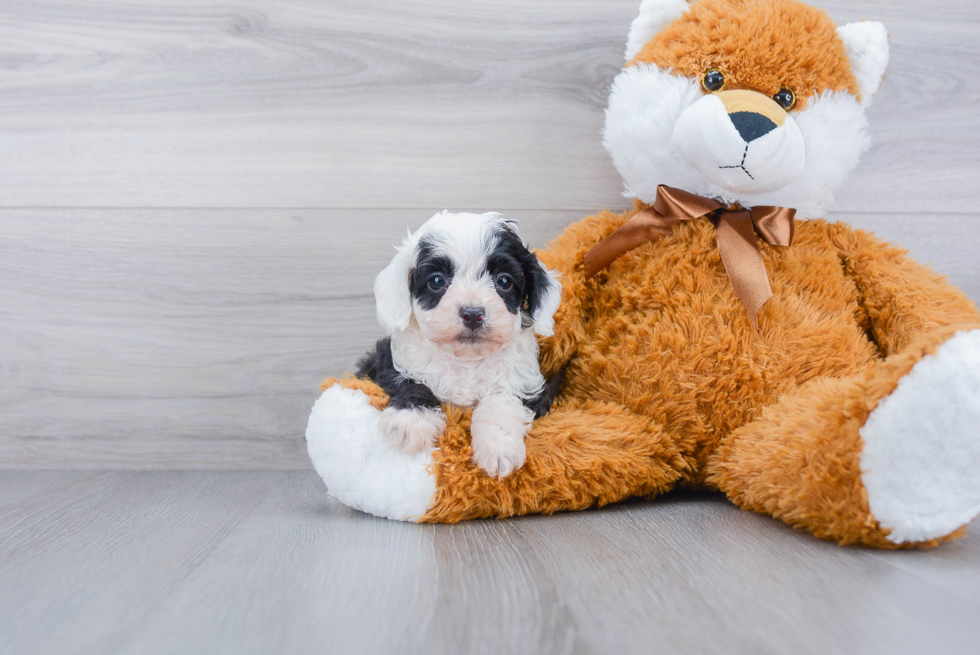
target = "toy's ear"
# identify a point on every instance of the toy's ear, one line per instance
(654, 16)
(866, 44)
(391, 292)
(543, 294)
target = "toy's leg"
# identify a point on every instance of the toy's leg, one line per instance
(889, 458)
(357, 462)
(578, 456)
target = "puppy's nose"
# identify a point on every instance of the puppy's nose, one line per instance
(751, 125)
(473, 317)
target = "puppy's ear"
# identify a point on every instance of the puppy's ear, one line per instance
(391, 290)
(543, 292)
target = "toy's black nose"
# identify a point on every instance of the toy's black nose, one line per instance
(751, 125)
(473, 317)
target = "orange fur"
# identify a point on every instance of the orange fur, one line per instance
(800, 460)
(753, 51)
(620, 455)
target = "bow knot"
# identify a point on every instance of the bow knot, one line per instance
(735, 232)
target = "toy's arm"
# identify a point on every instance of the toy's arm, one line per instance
(901, 298)
(565, 255)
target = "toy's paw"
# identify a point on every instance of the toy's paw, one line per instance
(359, 466)
(412, 430)
(921, 458)
(497, 435)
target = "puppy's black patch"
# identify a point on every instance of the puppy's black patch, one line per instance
(541, 404)
(505, 263)
(509, 256)
(404, 393)
(537, 281)
(431, 277)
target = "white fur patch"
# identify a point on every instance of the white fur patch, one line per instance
(866, 44)
(921, 459)
(497, 432)
(392, 298)
(646, 103)
(544, 316)
(835, 135)
(442, 325)
(358, 465)
(413, 429)
(513, 368)
(707, 140)
(654, 15)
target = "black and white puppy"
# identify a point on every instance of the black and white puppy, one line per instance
(461, 303)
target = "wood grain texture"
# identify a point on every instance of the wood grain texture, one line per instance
(264, 562)
(130, 103)
(198, 338)
(161, 306)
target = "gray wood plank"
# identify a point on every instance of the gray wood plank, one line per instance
(198, 338)
(17, 487)
(402, 104)
(76, 563)
(750, 583)
(263, 562)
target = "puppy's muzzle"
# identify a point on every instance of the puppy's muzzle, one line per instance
(741, 140)
(473, 317)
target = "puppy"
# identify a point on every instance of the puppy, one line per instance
(461, 303)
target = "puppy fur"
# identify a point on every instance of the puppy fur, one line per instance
(459, 301)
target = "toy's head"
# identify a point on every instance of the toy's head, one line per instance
(468, 284)
(755, 102)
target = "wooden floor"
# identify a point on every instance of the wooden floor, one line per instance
(264, 562)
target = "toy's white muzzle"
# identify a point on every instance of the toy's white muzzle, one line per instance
(741, 140)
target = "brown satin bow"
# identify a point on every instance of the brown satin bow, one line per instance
(735, 232)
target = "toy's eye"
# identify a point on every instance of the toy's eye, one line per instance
(437, 282)
(504, 282)
(713, 80)
(785, 99)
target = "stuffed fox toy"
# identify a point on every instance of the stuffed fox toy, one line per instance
(721, 334)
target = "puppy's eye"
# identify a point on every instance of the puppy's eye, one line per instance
(713, 80)
(504, 282)
(785, 99)
(437, 282)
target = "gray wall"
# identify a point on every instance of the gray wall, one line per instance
(195, 197)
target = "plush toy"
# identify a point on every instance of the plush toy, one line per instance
(720, 335)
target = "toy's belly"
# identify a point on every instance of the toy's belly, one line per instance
(670, 339)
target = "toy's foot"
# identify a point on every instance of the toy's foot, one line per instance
(412, 430)
(920, 463)
(497, 435)
(358, 464)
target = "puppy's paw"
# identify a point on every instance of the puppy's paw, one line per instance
(497, 435)
(497, 451)
(412, 430)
